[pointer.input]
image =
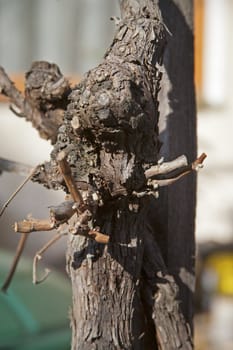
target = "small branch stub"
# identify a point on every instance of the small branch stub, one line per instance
(166, 167)
(67, 175)
(181, 171)
(198, 163)
(98, 236)
(27, 226)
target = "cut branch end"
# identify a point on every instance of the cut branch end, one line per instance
(27, 226)
(98, 236)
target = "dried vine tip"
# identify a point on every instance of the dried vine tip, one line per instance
(42, 279)
(198, 163)
(38, 256)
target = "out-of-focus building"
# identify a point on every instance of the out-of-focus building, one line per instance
(73, 34)
(215, 119)
(214, 224)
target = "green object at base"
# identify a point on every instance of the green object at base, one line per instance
(34, 317)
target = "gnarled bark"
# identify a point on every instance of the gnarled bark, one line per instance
(45, 100)
(124, 295)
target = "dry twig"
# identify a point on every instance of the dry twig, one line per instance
(58, 215)
(23, 238)
(185, 170)
(82, 210)
(17, 256)
(166, 167)
(34, 225)
(38, 257)
(67, 175)
(17, 190)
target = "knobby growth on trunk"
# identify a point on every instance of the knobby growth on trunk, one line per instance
(105, 156)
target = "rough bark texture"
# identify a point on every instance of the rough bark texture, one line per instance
(124, 294)
(123, 297)
(45, 100)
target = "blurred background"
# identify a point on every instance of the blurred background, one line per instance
(75, 35)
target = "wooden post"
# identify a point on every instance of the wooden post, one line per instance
(178, 133)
